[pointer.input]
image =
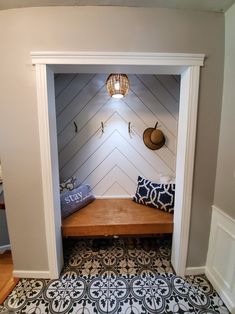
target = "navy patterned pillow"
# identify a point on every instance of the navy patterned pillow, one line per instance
(156, 195)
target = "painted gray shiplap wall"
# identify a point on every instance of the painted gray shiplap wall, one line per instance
(4, 237)
(111, 161)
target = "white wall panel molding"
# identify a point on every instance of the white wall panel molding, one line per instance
(147, 113)
(111, 161)
(116, 135)
(105, 114)
(117, 141)
(220, 264)
(93, 93)
(71, 90)
(152, 83)
(87, 109)
(172, 85)
(147, 98)
(137, 107)
(109, 183)
(82, 152)
(62, 82)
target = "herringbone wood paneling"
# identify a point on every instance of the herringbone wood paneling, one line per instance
(111, 161)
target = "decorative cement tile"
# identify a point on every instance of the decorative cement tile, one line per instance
(126, 276)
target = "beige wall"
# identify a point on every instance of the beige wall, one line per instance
(92, 28)
(225, 176)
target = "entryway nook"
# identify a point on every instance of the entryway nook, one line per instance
(47, 64)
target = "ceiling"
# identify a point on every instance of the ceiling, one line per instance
(201, 5)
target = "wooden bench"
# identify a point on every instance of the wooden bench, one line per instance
(114, 217)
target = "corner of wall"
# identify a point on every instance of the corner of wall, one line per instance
(221, 256)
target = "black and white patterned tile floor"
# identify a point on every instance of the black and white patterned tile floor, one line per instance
(126, 276)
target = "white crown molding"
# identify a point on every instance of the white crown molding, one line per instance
(117, 58)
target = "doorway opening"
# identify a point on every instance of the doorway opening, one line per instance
(103, 155)
(185, 65)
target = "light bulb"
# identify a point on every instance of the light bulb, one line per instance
(117, 85)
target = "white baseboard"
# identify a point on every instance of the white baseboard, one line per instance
(4, 248)
(220, 262)
(220, 290)
(31, 274)
(195, 271)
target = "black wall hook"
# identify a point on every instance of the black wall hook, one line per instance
(102, 127)
(75, 127)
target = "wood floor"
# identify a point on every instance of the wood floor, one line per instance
(7, 282)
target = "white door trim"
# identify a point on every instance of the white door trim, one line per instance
(184, 166)
(49, 167)
(116, 58)
(188, 65)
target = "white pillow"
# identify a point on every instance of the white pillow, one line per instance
(166, 179)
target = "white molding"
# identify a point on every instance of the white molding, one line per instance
(221, 212)
(220, 290)
(117, 58)
(185, 166)
(5, 248)
(185, 149)
(46, 168)
(221, 256)
(193, 271)
(31, 274)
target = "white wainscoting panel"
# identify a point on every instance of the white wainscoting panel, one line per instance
(220, 265)
(111, 161)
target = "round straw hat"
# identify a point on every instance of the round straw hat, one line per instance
(153, 138)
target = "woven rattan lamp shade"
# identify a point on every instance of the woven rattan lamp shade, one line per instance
(117, 85)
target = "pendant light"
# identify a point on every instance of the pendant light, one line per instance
(117, 85)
